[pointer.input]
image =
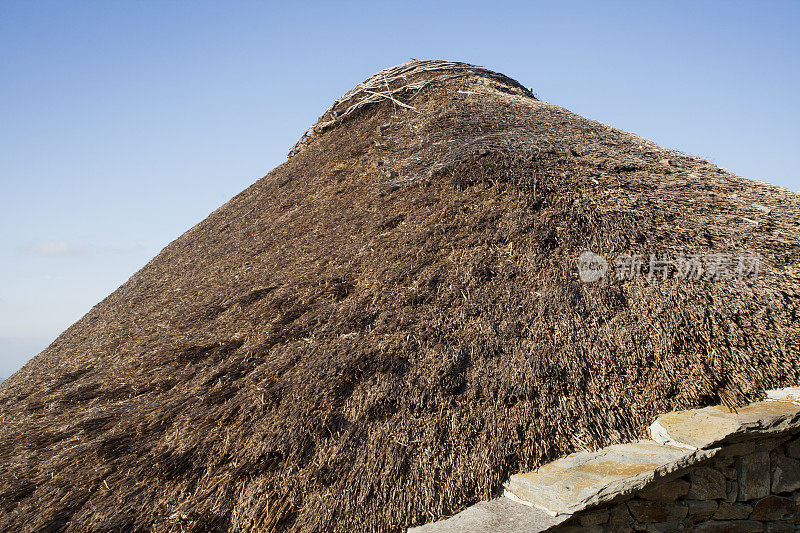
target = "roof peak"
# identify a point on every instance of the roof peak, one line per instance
(403, 80)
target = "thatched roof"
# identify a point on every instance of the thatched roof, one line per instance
(382, 329)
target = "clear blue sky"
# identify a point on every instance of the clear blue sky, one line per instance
(122, 124)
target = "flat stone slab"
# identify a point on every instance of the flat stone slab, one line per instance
(710, 426)
(789, 394)
(501, 515)
(586, 479)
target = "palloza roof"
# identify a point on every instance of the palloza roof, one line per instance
(386, 326)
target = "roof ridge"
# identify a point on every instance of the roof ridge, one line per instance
(393, 84)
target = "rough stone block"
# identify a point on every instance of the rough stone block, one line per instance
(701, 510)
(732, 491)
(664, 528)
(666, 492)
(648, 511)
(726, 465)
(593, 518)
(738, 448)
(736, 526)
(732, 511)
(707, 484)
(785, 474)
(780, 527)
(721, 462)
(793, 448)
(771, 444)
(619, 518)
(773, 508)
(753, 475)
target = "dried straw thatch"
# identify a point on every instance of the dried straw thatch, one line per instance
(384, 327)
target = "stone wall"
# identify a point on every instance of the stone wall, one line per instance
(704, 470)
(750, 486)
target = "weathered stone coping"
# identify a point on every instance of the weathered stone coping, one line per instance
(586, 479)
(711, 426)
(501, 515)
(537, 501)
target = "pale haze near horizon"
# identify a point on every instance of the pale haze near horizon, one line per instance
(126, 124)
